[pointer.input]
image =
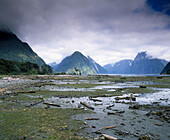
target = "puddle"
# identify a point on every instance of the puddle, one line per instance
(143, 83)
(162, 96)
(79, 82)
(109, 86)
(115, 86)
(70, 81)
(67, 89)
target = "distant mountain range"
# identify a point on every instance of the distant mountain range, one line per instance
(53, 65)
(12, 48)
(146, 64)
(79, 61)
(108, 68)
(121, 67)
(142, 64)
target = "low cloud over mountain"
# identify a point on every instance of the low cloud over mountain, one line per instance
(103, 29)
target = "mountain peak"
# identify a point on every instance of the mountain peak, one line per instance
(77, 53)
(146, 64)
(143, 55)
(76, 60)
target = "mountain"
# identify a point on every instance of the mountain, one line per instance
(53, 65)
(12, 48)
(108, 68)
(146, 64)
(122, 67)
(164, 62)
(99, 69)
(142, 64)
(166, 69)
(76, 60)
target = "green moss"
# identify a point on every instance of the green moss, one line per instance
(83, 85)
(44, 84)
(36, 123)
(139, 90)
(144, 138)
(96, 93)
(46, 93)
(159, 86)
(21, 97)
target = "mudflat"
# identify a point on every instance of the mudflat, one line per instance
(84, 107)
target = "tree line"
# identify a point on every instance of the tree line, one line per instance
(13, 67)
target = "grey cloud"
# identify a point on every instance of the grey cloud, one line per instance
(90, 26)
(62, 14)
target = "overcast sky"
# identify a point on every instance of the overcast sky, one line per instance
(106, 30)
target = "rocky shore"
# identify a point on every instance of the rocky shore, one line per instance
(9, 85)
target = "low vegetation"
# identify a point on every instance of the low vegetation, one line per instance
(46, 93)
(139, 90)
(82, 85)
(13, 67)
(38, 123)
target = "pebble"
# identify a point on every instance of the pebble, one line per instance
(102, 138)
(122, 124)
(15, 82)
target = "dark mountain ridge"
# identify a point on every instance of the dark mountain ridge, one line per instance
(12, 48)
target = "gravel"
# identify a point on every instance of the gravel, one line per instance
(16, 83)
